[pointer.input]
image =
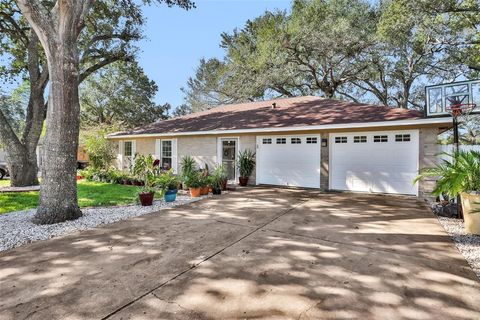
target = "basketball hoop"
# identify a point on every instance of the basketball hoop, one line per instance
(460, 109)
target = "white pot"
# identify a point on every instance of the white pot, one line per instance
(471, 203)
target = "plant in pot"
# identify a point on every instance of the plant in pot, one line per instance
(194, 183)
(145, 170)
(188, 165)
(204, 182)
(246, 164)
(460, 175)
(216, 179)
(169, 183)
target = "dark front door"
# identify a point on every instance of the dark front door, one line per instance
(229, 152)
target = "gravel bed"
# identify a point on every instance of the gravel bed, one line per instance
(17, 229)
(467, 244)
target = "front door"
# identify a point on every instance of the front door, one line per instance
(229, 153)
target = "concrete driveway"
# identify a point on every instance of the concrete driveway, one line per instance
(255, 253)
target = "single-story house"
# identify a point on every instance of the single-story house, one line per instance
(304, 142)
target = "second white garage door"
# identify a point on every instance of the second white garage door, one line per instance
(289, 160)
(384, 161)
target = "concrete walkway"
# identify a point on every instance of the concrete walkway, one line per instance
(255, 253)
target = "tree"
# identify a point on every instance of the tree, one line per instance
(109, 32)
(120, 94)
(182, 110)
(58, 29)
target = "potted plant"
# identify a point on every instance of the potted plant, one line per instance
(168, 182)
(145, 170)
(204, 182)
(217, 178)
(460, 175)
(193, 183)
(246, 163)
(188, 166)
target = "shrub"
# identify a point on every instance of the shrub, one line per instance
(188, 165)
(167, 181)
(459, 174)
(100, 151)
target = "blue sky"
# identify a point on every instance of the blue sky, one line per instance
(177, 39)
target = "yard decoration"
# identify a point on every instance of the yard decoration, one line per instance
(460, 175)
(246, 162)
(169, 183)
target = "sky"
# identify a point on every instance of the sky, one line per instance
(177, 39)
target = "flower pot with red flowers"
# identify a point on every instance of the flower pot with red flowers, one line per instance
(246, 164)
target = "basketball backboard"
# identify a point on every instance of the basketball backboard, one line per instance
(440, 96)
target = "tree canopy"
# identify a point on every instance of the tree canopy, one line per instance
(383, 52)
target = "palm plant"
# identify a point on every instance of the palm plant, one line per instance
(246, 162)
(460, 173)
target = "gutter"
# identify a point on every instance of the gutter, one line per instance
(416, 122)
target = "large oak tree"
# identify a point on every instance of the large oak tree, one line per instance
(59, 30)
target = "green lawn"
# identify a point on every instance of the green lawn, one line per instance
(4, 183)
(90, 194)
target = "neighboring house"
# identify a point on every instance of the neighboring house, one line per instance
(305, 141)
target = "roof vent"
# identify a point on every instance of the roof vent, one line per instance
(274, 105)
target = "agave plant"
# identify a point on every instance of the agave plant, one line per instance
(246, 162)
(460, 173)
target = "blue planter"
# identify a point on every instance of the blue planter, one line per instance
(170, 195)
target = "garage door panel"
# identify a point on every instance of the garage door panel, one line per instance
(386, 167)
(289, 164)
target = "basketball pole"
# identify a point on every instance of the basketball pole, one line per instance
(456, 148)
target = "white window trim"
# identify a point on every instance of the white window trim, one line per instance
(122, 152)
(159, 153)
(237, 152)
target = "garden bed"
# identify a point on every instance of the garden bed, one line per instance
(16, 227)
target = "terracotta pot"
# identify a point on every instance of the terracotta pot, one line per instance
(471, 212)
(224, 185)
(79, 177)
(243, 181)
(195, 192)
(146, 199)
(204, 190)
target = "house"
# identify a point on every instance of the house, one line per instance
(304, 142)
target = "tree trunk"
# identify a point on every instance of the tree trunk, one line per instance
(58, 192)
(23, 168)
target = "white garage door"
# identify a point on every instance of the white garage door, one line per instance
(383, 161)
(289, 160)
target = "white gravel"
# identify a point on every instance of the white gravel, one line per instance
(17, 229)
(467, 244)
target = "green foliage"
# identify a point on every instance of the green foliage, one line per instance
(120, 94)
(101, 152)
(218, 176)
(460, 173)
(109, 175)
(188, 165)
(246, 162)
(145, 170)
(193, 179)
(167, 181)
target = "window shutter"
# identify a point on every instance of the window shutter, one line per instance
(120, 154)
(174, 156)
(134, 148)
(157, 149)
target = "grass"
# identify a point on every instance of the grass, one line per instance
(90, 194)
(4, 183)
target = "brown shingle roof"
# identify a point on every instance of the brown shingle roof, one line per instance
(289, 112)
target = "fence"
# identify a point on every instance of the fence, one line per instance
(448, 148)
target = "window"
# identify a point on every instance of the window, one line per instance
(296, 141)
(341, 139)
(359, 139)
(166, 160)
(128, 148)
(281, 140)
(311, 140)
(383, 138)
(402, 137)
(267, 141)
